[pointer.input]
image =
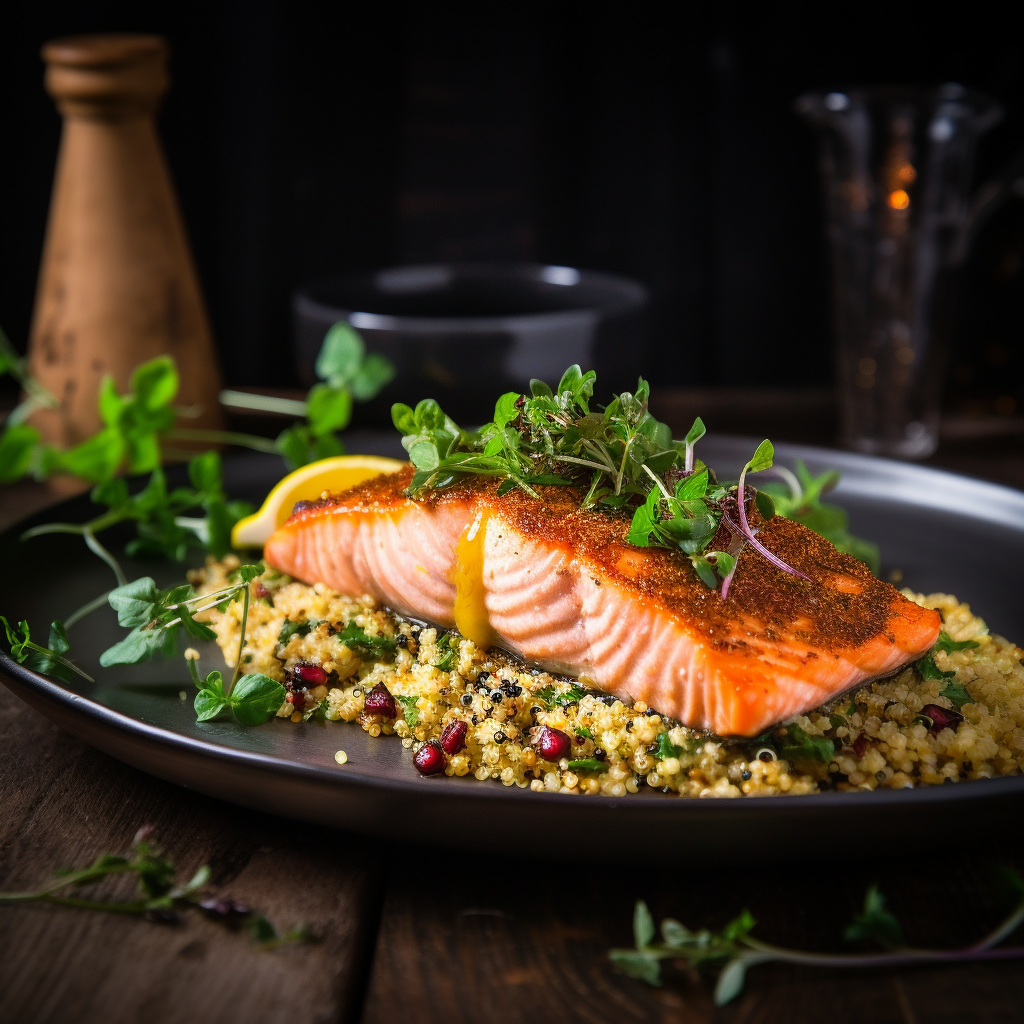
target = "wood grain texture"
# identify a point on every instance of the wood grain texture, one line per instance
(64, 803)
(520, 941)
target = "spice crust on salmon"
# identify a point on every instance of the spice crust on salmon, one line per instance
(560, 586)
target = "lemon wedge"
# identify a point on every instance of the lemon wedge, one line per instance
(307, 484)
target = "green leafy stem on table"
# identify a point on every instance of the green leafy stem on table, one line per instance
(158, 898)
(733, 950)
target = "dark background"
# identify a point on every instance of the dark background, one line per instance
(310, 139)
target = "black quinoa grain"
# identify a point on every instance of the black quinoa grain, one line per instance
(476, 719)
(466, 698)
(746, 776)
(500, 737)
(600, 754)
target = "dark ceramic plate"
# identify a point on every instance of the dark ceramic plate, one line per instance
(944, 532)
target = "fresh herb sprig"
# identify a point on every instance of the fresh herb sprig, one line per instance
(138, 426)
(158, 514)
(798, 497)
(621, 458)
(928, 669)
(156, 619)
(51, 660)
(159, 898)
(733, 950)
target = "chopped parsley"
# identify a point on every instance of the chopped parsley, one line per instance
(588, 764)
(355, 638)
(412, 714)
(553, 699)
(799, 745)
(290, 629)
(956, 693)
(448, 657)
(666, 748)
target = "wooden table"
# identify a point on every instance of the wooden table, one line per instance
(412, 934)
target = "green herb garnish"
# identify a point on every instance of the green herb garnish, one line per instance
(799, 745)
(875, 923)
(412, 714)
(553, 698)
(733, 950)
(355, 638)
(448, 646)
(956, 693)
(947, 644)
(799, 499)
(666, 748)
(621, 458)
(584, 733)
(158, 898)
(588, 764)
(290, 629)
(51, 660)
(926, 666)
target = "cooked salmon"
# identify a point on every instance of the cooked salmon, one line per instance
(560, 586)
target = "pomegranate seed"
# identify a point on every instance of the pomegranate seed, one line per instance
(453, 736)
(860, 744)
(429, 759)
(260, 591)
(297, 697)
(942, 718)
(380, 702)
(553, 744)
(311, 675)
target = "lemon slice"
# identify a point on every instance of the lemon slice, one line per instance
(307, 484)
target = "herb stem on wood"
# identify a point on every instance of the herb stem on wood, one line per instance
(733, 950)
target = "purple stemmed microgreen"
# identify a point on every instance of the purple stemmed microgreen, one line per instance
(619, 459)
(762, 459)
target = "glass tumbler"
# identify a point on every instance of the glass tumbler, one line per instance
(896, 163)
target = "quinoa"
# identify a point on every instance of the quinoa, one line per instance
(877, 736)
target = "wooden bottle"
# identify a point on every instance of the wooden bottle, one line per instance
(117, 284)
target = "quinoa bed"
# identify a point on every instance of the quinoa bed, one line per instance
(896, 733)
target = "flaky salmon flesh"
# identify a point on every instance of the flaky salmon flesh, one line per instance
(560, 586)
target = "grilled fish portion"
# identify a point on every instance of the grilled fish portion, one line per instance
(560, 586)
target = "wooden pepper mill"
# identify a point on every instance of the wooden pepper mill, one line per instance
(117, 284)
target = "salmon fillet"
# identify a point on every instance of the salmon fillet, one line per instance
(559, 586)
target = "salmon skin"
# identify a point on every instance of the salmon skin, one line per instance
(560, 586)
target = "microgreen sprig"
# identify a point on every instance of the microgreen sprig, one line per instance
(621, 458)
(159, 898)
(157, 617)
(733, 950)
(798, 498)
(51, 660)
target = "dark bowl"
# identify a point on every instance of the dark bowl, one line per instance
(464, 332)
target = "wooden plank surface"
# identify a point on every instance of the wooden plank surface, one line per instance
(64, 803)
(466, 939)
